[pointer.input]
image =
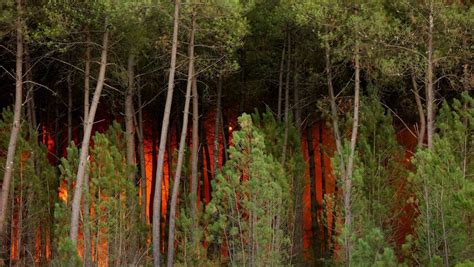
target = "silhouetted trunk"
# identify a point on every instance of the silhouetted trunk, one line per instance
(130, 152)
(69, 108)
(202, 142)
(141, 155)
(298, 236)
(7, 176)
(323, 188)
(225, 138)
(154, 158)
(129, 114)
(296, 99)
(76, 202)
(430, 98)
(207, 157)
(182, 145)
(217, 126)
(287, 101)
(30, 104)
(280, 79)
(316, 241)
(161, 151)
(194, 154)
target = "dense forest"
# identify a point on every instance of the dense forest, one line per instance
(237, 133)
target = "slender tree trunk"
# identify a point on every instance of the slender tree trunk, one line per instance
(430, 108)
(225, 138)
(215, 151)
(76, 202)
(154, 159)
(7, 176)
(141, 155)
(130, 154)
(20, 214)
(31, 94)
(316, 242)
(429, 91)
(444, 233)
(421, 111)
(338, 141)
(69, 108)
(207, 155)
(296, 99)
(87, 74)
(334, 115)
(129, 114)
(298, 236)
(161, 151)
(347, 192)
(31, 116)
(86, 222)
(182, 145)
(217, 125)
(323, 187)
(287, 101)
(201, 176)
(194, 154)
(280, 79)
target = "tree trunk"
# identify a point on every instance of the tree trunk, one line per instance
(208, 160)
(296, 99)
(129, 114)
(225, 139)
(141, 155)
(350, 162)
(130, 154)
(163, 135)
(337, 140)
(421, 112)
(316, 242)
(69, 108)
(7, 176)
(325, 246)
(280, 79)
(298, 236)
(182, 145)
(87, 74)
(194, 154)
(86, 222)
(334, 115)
(215, 151)
(30, 93)
(430, 108)
(287, 101)
(154, 159)
(76, 202)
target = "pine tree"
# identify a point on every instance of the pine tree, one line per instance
(445, 190)
(250, 202)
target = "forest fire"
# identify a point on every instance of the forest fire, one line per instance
(236, 133)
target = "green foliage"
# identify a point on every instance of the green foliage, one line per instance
(445, 188)
(64, 249)
(109, 190)
(374, 203)
(111, 219)
(249, 206)
(380, 158)
(34, 181)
